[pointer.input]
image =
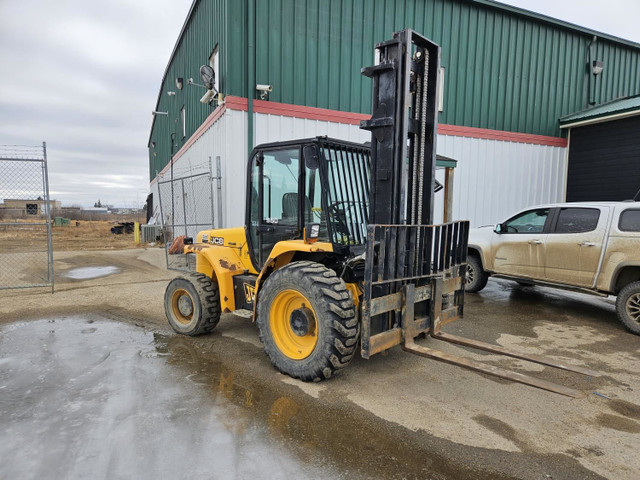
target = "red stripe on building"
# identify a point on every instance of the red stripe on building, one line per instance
(501, 135)
(309, 113)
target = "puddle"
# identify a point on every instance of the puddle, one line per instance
(87, 273)
(105, 401)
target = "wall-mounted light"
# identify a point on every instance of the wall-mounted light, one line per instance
(159, 113)
(597, 67)
(179, 83)
(171, 94)
(153, 144)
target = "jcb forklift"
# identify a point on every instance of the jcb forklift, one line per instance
(338, 251)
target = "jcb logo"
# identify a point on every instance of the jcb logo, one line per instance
(249, 292)
(217, 241)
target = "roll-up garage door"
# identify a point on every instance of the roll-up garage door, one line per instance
(604, 161)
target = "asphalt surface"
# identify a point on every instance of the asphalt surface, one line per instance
(93, 383)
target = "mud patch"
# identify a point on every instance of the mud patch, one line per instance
(89, 273)
(615, 422)
(627, 409)
(503, 429)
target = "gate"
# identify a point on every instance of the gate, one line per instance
(186, 207)
(26, 252)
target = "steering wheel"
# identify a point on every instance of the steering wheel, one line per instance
(338, 217)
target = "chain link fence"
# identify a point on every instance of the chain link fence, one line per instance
(186, 207)
(26, 254)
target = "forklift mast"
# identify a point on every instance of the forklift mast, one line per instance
(403, 126)
(404, 250)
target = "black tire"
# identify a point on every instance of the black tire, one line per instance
(192, 304)
(330, 320)
(628, 307)
(476, 278)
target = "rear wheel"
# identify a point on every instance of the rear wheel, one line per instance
(192, 304)
(475, 278)
(628, 307)
(307, 321)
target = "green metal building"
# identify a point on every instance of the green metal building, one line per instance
(509, 76)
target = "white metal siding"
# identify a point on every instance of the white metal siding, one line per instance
(276, 128)
(493, 178)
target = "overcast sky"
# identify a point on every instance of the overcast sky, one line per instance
(84, 76)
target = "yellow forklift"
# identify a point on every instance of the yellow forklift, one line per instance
(338, 252)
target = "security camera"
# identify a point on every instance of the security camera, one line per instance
(264, 90)
(208, 97)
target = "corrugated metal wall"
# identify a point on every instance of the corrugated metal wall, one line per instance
(206, 29)
(226, 139)
(504, 70)
(494, 179)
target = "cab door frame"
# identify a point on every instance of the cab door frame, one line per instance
(256, 233)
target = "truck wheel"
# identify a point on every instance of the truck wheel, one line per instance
(192, 304)
(307, 321)
(628, 307)
(476, 278)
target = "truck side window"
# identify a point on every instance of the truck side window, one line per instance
(630, 221)
(528, 222)
(577, 220)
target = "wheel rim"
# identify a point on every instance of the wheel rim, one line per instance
(633, 307)
(469, 275)
(182, 306)
(285, 313)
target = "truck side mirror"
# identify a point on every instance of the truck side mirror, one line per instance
(498, 228)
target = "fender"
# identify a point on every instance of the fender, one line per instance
(281, 255)
(616, 274)
(480, 252)
(221, 264)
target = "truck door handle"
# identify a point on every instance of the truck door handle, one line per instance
(535, 242)
(587, 244)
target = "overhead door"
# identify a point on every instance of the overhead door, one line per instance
(604, 161)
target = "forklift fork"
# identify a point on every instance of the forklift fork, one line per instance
(410, 331)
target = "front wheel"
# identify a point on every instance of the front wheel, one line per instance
(307, 321)
(628, 307)
(192, 304)
(475, 278)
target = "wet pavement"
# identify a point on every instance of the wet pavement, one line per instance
(88, 397)
(92, 398)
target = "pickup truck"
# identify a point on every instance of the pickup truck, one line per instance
(589, 247)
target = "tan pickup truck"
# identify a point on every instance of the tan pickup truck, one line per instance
(589, 247)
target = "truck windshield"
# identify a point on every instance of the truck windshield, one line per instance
(348, 173)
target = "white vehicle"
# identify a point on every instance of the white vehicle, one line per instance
(589, 247)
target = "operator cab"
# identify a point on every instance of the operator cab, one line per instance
(313, 181)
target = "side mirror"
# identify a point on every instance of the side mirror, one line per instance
(310, 153)
(498, 228)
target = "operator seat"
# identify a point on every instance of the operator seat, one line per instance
(290, 208)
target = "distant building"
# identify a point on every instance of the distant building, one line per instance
(19, 207)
